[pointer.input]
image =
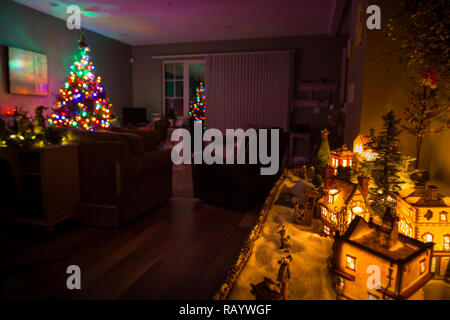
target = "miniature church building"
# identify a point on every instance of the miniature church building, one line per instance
(375, 262)
(342, 201)
(424, 214)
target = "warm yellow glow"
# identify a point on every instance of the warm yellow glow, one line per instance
(428, 237)
(324, 211)
(443, 217)
(351, 263)
(357, 210)
(447, 242)
(344, 163)
(422, 266)
(326, 230)
(358, 148)
(333, 191)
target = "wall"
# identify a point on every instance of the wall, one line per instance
(316, 58)
(386, 87)
(355, 76)
(26, 28)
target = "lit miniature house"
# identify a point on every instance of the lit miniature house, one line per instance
(399, 265)
(342, 201)
(361, 149)
(342, 157)
(424, 214)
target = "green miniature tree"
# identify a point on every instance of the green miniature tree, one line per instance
(387, 165)
(323, 154)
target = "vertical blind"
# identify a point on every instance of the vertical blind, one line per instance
(248, 88)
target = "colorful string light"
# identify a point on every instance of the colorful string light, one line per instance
(82, 103)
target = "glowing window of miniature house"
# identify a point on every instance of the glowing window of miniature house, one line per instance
(344, 163)
(326, 230)
(427, 237)
(324, 212)
(433, 264)
(332, 195)
(356, 211)
(350, 262)
(422, 266)
(333, 217)
(447, 242)
(443, 216)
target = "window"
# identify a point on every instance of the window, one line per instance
(326, 230)
(350, 262)
(427, 237)
(324, 212)
(333, 217)
(447, 242)
(180, 79)
(344, 163)
(443, 216)
(350, 163)
(331, 195)
(433, 264)
(422, 266)
(341, 283)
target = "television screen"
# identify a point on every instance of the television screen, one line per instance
(28, 73)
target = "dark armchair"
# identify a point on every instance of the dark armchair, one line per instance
(236, 186)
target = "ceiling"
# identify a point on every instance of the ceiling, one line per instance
(139, 22)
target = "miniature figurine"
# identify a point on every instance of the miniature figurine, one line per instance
(310, 173)
(284, 275)
(286, 242)
(299, 212)
(282, 233)
(39, 121)
(266, 290)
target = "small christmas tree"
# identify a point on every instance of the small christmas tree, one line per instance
(323, 159)
(82, 103)
(387, 165)
(423, 110)
(197, 106)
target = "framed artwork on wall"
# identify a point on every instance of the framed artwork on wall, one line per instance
(28, 72)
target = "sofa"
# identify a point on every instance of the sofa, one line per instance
(236, 186)
(123, 174)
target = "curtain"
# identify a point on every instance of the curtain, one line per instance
(248, 88)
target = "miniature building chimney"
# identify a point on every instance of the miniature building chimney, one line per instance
(388, 219)
(419, 189)
(389, 236)
(327, 177)
(393, 234)
(433, 193)
(363, 183)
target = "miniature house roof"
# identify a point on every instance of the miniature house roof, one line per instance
(343, 152)
(421, 199)
(345, 188)
(365, 235)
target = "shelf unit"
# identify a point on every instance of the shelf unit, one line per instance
(308, 95)
(47, 184)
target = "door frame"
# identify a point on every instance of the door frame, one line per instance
(186, 63)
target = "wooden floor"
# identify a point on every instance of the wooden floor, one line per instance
(180, 250)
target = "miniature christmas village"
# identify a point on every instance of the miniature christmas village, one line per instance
(325, 230)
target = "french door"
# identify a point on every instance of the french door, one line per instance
(180, 79)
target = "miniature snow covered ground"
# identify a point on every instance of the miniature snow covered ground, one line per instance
(437, 290)
(310, 278)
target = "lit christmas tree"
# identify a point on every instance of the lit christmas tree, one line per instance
(82, 103)
(197, 106)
